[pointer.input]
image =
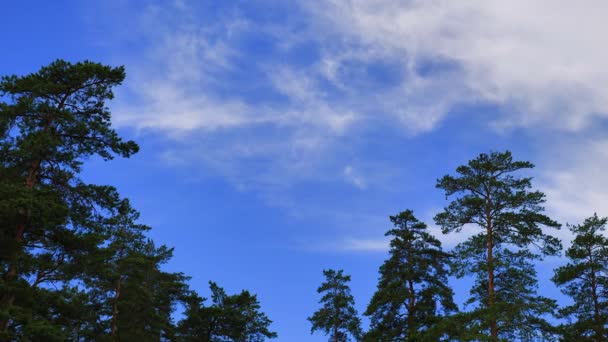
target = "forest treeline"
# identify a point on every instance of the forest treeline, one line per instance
(414, 302)
(77, 264)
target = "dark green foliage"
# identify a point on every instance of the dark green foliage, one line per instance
(75, 264)
(147, 296)
(337, 317)
(228, 318)
(518, 309)
(585, 280)
(510, 219)
(413, 292)
(54, 119)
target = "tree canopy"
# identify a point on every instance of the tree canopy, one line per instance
(413, 292)
(337, 316)
(585, 280)
(228, 318)
(490, 195)
(76, 264)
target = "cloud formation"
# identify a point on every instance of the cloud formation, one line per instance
(544, 60)
(576, 185)
(270, 104)
(543, 63)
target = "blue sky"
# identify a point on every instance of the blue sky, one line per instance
(277, 137)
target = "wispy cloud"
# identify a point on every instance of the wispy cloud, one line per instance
(258, 123)
(271, 105)
(382, 244)
(370, 62)
(545, 60)
(537, 60)
(353, 177)
(362, 245)
(350, 245)
(575, 182)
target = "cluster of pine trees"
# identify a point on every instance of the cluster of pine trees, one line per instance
(75, 263)
(414, 301)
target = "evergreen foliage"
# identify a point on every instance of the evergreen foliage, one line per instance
(413, 292)
(585, 280)
(55, 118)
(75, 263)
(228, 318)
(337, 317)
(508, 215)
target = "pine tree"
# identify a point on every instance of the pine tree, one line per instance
(338, 316)
(413, 292)
(585, 280)
(56, 117)
(75, 264)
(490, 196)
(107, 268)
(228, 318)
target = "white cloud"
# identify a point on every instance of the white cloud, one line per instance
(450, 240)
(382, 245)
(167, 106)
(307, 103)
(539, 60)
(365, 245)
(543, 62)
(351, 176)
(546, 60)
(575, 182)
(350, 245)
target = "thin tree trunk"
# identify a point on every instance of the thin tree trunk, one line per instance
(337, 321)
(115, 308)
(337, 325)
(491, 295)
(117, 289)
(599, 331)
(411, 309)
(11, 275)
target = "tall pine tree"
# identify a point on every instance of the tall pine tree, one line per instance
(585, 280)
(53, 120)
(490, 196)
(413, 293)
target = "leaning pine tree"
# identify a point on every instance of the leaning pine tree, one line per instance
(413, 292)
(585, 280)
(338, 317)
(509, 217)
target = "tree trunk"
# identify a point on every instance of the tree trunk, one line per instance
(491, 295)
(30, 182)
(115, 308)
(493, 325)
(11, 275)
(599, 325)
(337, 325)
(411, 319)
